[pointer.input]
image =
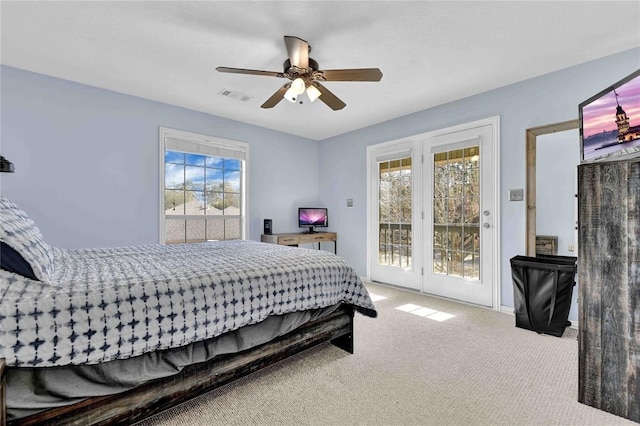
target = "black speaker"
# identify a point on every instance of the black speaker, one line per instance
(267, 226)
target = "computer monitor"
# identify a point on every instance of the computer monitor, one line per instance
(310, 217)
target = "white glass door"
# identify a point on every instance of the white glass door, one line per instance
(394, 182)
(459, 205)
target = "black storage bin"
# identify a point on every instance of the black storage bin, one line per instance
(542, 289)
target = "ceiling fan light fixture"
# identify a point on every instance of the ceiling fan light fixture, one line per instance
(305, 75)
(313, 93)
(298, 86)
(290, 95)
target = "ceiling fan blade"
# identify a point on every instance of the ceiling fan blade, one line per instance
(276, 97)
(251, 72)
(298, 51)
(356, 74)
(329, 98)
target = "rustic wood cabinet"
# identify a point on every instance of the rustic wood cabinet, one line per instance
(609, 287)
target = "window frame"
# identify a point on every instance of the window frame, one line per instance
(210, 141)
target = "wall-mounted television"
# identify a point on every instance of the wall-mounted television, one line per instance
(610, 122)
(310, 217)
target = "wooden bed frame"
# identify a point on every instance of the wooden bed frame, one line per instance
(162, 394)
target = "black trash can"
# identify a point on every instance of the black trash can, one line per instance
(542, 290)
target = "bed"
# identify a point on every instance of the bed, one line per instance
(114, 335)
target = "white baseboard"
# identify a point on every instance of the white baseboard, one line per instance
(506, 310)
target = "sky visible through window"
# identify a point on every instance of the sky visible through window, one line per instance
(201, 173)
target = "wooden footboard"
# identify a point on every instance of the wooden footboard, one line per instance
(3, 399)
(159, 395)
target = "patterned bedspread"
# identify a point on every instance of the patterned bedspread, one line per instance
(106, 304)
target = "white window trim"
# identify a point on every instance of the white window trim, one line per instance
(165, 133)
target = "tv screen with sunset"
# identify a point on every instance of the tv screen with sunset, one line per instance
(610, 122)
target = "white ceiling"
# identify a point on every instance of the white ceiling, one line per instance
(430, 52)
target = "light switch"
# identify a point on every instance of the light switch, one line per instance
(349, 202)
(516, 194)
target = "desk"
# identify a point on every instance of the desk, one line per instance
(293, 239)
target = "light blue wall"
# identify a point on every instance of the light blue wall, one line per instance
(87, 158)
(87, 161)
(547, 99)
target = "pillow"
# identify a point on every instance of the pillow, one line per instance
(21, 234)
(12, 261)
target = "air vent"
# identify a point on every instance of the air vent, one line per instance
(234, 95)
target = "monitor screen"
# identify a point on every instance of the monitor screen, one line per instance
(313, 216)
(610, 122)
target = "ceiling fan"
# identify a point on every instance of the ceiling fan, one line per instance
(305, 75)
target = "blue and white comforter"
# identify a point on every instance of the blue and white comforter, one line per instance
(106, 304)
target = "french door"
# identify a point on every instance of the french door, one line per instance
(395, 186)
(432, 210)
(460, 215)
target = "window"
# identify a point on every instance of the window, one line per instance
(395, 204)
(456, 213)
(203, 187)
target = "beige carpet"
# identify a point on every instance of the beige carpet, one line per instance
(474, 368)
